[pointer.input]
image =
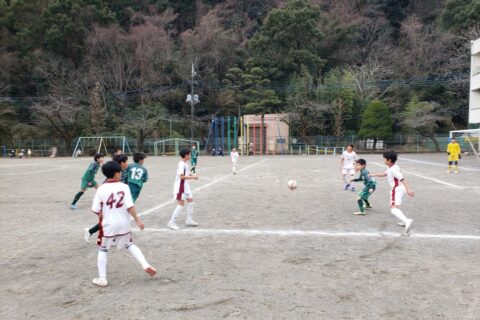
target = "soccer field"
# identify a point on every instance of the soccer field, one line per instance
(261, 251)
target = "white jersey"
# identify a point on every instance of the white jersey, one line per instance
(349, 159)
(234, 156)
(394, 176)
(181, 185)
(112, 200)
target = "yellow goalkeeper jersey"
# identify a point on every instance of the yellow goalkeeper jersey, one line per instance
(453, 149)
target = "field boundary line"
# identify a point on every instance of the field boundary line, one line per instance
(312, 233)
(438, 164)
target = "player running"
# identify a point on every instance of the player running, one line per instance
(88, 179)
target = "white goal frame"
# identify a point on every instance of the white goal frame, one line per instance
(102, 143)
(159, 146)
(475, 145)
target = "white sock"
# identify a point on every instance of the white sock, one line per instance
(399, 214)
(102, 264)
(189, 211)
(138, 255)
(234, 169)
(346, 178)
(176, 213)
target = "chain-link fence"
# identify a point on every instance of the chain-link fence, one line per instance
(320, 145)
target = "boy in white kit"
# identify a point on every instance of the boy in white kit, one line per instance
(347, 166)
(234, 156)
(114, 205)
(399, 188)
(182, 192)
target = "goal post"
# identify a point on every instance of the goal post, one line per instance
(469, 140)
(99, 144)
(171, 147)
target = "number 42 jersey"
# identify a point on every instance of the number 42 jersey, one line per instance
(112, 201)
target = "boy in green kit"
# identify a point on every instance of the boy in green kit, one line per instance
(137, 175)
(369, 187)
(194, 158)
(88, 179)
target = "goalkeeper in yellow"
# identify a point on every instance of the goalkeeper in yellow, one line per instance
(454, 153)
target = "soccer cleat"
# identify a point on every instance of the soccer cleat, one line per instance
(191, 223)
(86, 235)
(408, 225)
(353, 189)
(456, 172)
(73, 206)
(347, 186)
(100, 281)
(151, 271)
(368, 207)
(172, 226)
(401, 224)
(359, 213)
(448, 171)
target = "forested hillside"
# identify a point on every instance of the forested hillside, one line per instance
(82, 67)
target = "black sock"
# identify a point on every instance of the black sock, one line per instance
(94, 229)
(360, 205)
(77, 196)
(367, 203)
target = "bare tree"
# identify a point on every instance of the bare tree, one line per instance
(98, 109)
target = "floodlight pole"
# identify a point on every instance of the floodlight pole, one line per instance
(192, 99)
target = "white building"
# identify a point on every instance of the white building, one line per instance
(474, 113)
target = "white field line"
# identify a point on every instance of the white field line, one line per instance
(313, 233)
(200, 188)
(451, 185)
(439, 164)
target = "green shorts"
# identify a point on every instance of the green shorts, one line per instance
(134, 190)
(84, 184)
(364, 194)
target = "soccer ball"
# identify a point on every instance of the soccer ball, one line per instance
(292, 184)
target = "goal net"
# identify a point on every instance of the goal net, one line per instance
(171, 147)
(469, 140)
(88, 146)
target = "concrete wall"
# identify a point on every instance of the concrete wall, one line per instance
(474, 101)
(274, 135)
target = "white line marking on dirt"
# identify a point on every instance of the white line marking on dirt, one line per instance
(438, 164)
(427, 178)
(200, 188)
(315, 233)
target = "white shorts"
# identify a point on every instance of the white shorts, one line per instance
(121, 242)
(350, 172)
(186, 194)
(397, 194)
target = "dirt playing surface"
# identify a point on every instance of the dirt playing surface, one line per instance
(261, 251)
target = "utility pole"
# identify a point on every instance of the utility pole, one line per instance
(192, 99)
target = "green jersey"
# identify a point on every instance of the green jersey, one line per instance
(89, 175)
(137, 174)
(124, 177)
(194, 157)
(365, 177)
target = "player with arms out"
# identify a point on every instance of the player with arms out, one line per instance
(399, 188)
(369, 187)
(182, 192)
(347, 166)
(137, 175)
(454, 154)
(88, 179)
(234, 156)
(114, 205)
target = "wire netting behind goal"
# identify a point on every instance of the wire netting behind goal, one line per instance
(469, 140)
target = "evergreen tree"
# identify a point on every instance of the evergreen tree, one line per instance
(376, 123)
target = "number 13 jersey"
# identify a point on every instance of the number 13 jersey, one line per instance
(112, 200)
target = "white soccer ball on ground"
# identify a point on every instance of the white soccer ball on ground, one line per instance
(292, 184)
